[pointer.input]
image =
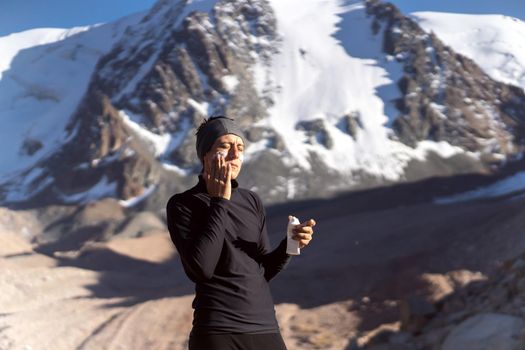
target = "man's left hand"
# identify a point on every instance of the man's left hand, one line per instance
(303, 232)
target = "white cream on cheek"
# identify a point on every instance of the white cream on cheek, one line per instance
(224, 155)
(221, 154)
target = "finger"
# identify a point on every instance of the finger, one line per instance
(218, 160)
(225, 167)
(305, 229)
(222, 169)
(207, 168)
(209, 174)
(310, 222)
(303, 243)
(302, 236)
(212, 169)
(228, 173)
(215, 167)
(224, 172)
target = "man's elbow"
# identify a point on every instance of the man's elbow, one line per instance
(201, 273)
(205, 275)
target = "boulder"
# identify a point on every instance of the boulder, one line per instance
(487, 331)
(415, 312)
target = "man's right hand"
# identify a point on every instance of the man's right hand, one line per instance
(217, 175)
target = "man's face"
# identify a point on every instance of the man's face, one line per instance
(233, 147)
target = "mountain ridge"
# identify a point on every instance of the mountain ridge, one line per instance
(131, 132)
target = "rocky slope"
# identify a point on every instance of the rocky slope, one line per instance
(471, 311)
(446, 96)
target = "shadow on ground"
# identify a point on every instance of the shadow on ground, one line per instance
(377, 244)
(130, 279)
(373, 243)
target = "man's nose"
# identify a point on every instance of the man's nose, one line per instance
(234, 152)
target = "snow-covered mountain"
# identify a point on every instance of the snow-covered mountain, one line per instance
(44, 74)
(332, 95)
(495, 42)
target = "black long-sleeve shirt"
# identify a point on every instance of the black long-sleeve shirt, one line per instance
(224, 248)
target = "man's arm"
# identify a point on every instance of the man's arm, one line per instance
(198, 235)
(198, 232)
(275, 260)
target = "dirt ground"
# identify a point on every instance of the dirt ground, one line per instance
(131, 293)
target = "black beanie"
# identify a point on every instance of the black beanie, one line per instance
(211, 130)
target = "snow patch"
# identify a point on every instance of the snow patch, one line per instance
(139, 76)
(102, 189)
(514, 183)
(230, 82)
(27, 186)
(156, 144)
(178, 170)
(135, 200)
(201, 107)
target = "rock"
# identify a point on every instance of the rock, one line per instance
(402, 346)
(139, 225)
(19, 222)
(30, 146)
(453, 305)
(415, 312)
(519, 264)
(499, 296)
(257, 134)
(401, 341)
(316, 132)
(351, 123)
(96, 212)
(520, 286)
(439, 285)
(487, 331)
(383, 346)
(463, 277)
(433, 339)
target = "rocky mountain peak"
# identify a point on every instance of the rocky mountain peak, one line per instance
(446, 96)
(167, 81)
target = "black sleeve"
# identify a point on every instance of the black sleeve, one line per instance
(198, 235)
(272, 261)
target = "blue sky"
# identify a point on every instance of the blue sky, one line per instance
(19, 15)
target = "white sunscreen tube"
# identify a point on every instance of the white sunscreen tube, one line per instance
(292, 246)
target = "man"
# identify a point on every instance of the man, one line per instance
(219, 230)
